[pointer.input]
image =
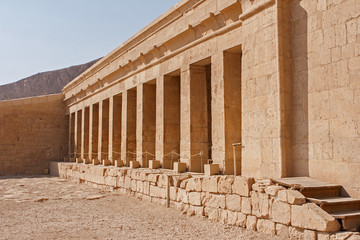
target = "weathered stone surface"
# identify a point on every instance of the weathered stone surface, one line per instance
(215, 201)
(323, 236)
(225, 184)
(251, 222)
(260, 204)
(223, 216)
(266, 226)
(282, 230)
(210, 184)
(195, 198)
(232, 218)
(292, 197)
(246, 205)
(296, 233)
(194, 184)
(242, 185)
(309, 235)
(281, 212)
(212, 213)
(241, 220)
(157, 192)
(233, 202)
(273, 190)
(182, 196)
(311, 216)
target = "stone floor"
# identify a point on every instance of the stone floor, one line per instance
(53, 208)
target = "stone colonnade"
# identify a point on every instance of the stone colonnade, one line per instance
(191, 115)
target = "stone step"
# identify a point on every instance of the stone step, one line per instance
(350, 220)
(337, 204)
(322, 191)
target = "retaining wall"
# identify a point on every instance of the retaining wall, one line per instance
(240, 201)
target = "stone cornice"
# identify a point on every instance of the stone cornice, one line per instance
(168, 17)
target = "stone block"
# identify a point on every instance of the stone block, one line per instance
(266, 226)
(223, 216)
(232, 218)
(225, 184)
(309, 235)
(323, 236)
(194, 184)
(182, 196)
(212, 213)
(312, 217)
(242, 185)
(127, 182)
(233, 202)
(215, 201)
(246, 205)
(177, 180)
(281, 212)
(282, 230)
(195, 198)
(211, 169)
(180, 167)
(106, 162)
(273, 190)
(251, 222)
(241, 220)
(173, 193)
(153, 178)
(134, 164)
(260, 204)
(95, 161)
(292, 197)
(158, 192)
(133, 185)
(296, 233)
(210, 184)
(154, 164)
(139, 186)
(119, 163)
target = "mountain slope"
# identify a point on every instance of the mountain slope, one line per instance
(42, 83)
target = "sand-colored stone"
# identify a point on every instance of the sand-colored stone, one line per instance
(313, 217)
(242, 186)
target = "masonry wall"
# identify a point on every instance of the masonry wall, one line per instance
(326, 89)
(34, 131)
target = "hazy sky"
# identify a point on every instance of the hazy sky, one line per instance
(44, 35)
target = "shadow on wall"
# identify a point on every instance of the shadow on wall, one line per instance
(299, 118)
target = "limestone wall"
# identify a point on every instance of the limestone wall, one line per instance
(238, 201)
(33, 132)
(326, 90)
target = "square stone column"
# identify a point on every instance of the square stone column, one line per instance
(100, 131)
(185, 117)
(111, 129)
(76, 135)
(91, 131)
(124, 126)
(82, 133)
(159, 141)
(70, 137)
(139, 124)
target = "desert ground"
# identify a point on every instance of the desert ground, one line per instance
(53, 208)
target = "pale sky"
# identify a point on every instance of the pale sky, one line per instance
(45, 35)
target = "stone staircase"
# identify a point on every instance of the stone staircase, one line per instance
(330, 197)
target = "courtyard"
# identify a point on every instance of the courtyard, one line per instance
(53, 208)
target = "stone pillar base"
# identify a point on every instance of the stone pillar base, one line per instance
(95, 161)
(154, 164)
(134, 164)
(106, 162)
(211, 169)
(79, 160)
(179, 167)
(119, 163)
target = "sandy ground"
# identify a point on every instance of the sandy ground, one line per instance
(53, 208)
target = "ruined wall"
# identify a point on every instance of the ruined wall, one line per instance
(34, 131)
(326, 88)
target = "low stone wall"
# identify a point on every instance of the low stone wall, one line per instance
(240, 201)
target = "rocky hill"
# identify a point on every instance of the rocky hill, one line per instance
(42, 83)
